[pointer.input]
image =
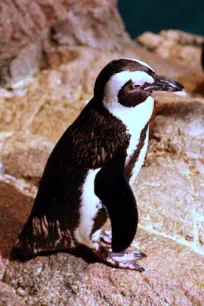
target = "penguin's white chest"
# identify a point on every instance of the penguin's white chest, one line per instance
(89, 207)
(135, 119)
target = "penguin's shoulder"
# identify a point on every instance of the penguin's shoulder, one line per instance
(96, 135)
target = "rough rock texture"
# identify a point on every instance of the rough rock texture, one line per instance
(93, 23)
(169, 189)
(24, 37)
(169, 193)
(20, 154)
(172, 277)
(168, 202)
(185, 48)
(186, 137)
(8, 296)
(15, 206)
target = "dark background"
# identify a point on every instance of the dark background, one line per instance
(156, 15)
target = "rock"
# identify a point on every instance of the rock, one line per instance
(169, 187)
(150, 40)
(182, 37)
(15, 206)
(92, 23)
(18, 108)
(184, 48)
(20, 69)
(173, 277)
(168, 203)
(181, 119)
(24, 41)
(8, 296)
(25, 156)
(3, 262)
(202, 57)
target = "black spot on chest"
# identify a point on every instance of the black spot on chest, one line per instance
(135, 155)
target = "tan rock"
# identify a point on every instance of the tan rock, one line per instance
(181, 47)
(173, 276)
(18, 109)
(167, 200)
(63, 91)
(188, 55)
(182, 37)
(150, 40)
(54, 119)
(25, 156)
(178, 126)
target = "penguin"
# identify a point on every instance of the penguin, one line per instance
(89, 174)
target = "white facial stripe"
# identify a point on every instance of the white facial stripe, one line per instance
(117, 81)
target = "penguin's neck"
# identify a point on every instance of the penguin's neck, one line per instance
(134, 118)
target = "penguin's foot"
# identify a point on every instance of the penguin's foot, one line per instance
(106, 237)
(124, 260)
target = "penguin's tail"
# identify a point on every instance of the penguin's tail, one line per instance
(23, 248)
(21, 251)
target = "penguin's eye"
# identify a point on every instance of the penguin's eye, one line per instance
(133, 86)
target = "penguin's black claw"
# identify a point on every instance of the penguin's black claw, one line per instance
(124, 260)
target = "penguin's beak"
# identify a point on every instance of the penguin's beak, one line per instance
(162, 83)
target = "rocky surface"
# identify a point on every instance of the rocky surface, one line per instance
(184, 48)
(20, 153)
(28, 29)
(172, 277)
(34, 114)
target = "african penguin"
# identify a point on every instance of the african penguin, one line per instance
(89, 174)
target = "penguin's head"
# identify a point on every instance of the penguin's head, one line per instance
(130, 82)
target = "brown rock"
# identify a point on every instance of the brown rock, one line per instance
(15, 206)
(93, 23)
(25, 156)
(173, 277)
(22, 22)
(24, 34)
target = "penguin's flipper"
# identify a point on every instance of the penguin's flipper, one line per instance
(113, 189)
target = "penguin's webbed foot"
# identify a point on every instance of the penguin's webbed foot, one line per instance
(106, 237)
(124, 260)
